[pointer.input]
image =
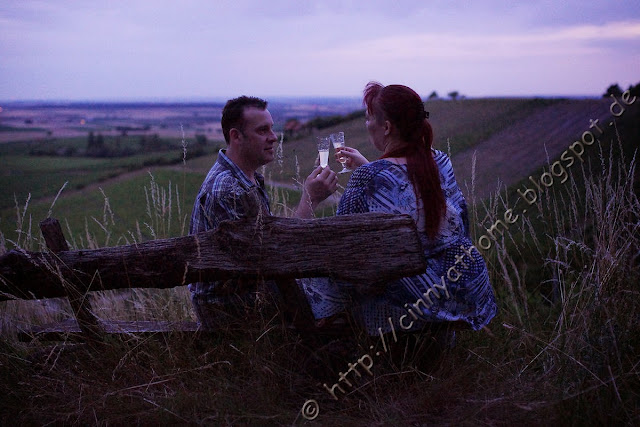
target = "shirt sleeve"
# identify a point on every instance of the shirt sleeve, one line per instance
(354, 199)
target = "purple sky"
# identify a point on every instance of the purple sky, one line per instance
(210, 49)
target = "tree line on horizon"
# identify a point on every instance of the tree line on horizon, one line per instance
(122, 145)
(617, 91)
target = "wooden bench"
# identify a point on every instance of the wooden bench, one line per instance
(368, 248)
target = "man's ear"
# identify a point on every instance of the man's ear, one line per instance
(234, 134)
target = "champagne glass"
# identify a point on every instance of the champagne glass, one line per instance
(323, 150)
(338, 142)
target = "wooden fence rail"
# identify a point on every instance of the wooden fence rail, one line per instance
(368, 248)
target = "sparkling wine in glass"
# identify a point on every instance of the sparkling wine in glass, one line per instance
(323, 150)
(338, 142)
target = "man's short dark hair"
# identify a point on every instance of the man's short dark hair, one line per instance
(233, 113)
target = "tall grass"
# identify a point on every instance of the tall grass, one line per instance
(568, 279)
(163, 205)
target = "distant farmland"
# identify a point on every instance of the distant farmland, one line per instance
(510, 138)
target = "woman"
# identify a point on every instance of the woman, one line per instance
(410, 178)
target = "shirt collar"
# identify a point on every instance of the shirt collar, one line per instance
(235, 170)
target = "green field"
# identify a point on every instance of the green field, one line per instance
(42, 176)
(37, 179)
(4, 128)
(156, 202)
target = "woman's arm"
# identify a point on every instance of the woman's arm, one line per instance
(355, 197)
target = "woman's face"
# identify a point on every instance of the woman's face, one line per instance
(376, 131)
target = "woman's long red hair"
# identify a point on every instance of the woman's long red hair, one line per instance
(403, 107)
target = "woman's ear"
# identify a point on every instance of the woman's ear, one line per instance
(387, 128)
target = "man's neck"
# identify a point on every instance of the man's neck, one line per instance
(237, 160)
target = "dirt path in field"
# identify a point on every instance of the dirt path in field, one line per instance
(139, 172)
(518, 150)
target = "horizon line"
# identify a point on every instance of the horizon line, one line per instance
(216, 100)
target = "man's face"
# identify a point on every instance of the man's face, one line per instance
(257, 139)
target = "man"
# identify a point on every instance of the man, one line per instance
(232, 187)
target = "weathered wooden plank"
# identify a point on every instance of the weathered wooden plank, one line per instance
(69, 330)
(366, 248)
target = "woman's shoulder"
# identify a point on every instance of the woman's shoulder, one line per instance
(376, 166)
(369, 171)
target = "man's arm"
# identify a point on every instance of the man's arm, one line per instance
(319, 185)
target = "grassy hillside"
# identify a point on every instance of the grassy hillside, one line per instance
(562, 350)
(457, 125)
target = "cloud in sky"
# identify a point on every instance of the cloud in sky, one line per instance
(196, 48)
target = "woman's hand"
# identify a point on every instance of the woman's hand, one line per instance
(353, 157)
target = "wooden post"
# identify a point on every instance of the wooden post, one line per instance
(296, 307)
(88, 322)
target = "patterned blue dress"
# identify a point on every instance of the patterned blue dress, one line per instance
(455, 286)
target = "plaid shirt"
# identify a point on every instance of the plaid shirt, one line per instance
(224, 195)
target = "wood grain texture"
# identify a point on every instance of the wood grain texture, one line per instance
(367, 248)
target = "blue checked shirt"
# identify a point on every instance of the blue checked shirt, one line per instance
(223, 196)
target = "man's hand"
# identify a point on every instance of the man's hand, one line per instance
(320, 184)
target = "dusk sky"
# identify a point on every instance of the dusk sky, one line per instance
(216, 49)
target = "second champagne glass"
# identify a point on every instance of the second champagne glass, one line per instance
(323, 150)
(338, 142)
